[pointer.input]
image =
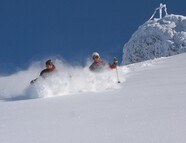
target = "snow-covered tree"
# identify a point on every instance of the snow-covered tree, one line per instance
(158, 37)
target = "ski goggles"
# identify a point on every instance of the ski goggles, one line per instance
(95, 57)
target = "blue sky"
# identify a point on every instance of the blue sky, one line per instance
(32, 30)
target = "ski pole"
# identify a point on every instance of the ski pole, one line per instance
(117, 74)
(115, 62)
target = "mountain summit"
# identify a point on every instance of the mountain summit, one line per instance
(158, 37)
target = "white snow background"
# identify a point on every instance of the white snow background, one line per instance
(148, 106)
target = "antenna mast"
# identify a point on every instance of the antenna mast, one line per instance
(160, 8)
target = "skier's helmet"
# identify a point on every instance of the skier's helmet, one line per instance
(49, 62)
(95, 54)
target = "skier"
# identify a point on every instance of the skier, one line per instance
(50, 67)
(99, 65)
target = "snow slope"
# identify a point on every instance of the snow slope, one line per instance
(147, 107)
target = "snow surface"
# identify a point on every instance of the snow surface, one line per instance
(147, 107)
(160, 37)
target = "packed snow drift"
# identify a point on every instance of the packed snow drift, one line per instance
(66, 80)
